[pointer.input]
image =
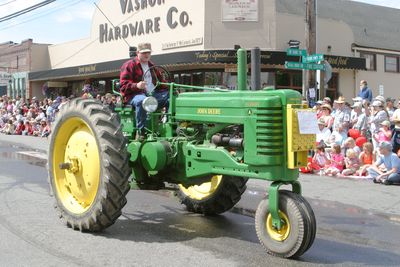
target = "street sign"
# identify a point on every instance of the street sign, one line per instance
(293, 65)
(313, 58)
(296, 52)
(304, 66)
(381, 90)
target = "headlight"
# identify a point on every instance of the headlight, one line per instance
(150, 104)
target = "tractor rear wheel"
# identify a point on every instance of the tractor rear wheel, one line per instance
(88, 165)
(218, 195)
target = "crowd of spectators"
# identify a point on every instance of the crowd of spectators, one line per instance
(354, 138)
(359, 139)
(28, 117)
(34, 117)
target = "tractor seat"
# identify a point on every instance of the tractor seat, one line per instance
(116, 88)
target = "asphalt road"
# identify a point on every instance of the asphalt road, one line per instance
(155, 230)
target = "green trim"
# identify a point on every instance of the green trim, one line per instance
(242, 69)
(273, 200)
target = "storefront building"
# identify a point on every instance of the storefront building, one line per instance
(16, 61)
(195, 40)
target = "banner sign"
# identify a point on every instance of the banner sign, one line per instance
(239, 10)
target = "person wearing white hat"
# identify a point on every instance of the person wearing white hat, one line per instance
(380, 98)
(378, 116)
(357, 99)
(324, 133)
(359, 119)
(342, 115)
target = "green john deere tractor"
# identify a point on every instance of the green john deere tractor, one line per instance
(208, 143)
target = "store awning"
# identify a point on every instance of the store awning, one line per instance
(273, 58)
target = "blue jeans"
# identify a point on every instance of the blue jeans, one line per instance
(141, 114)
(394, 177)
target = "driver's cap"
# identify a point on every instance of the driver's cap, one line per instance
(144, 47)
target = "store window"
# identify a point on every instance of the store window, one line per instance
(289, 80)
(333, 87)
(391, 64)
(198, 78)
(213, 78)
(186, 78)
(370, 60)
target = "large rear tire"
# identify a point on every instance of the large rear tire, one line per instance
(88, 165)
(218, 195)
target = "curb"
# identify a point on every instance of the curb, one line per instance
(24, 146)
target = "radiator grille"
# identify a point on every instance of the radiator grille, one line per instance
(269, 131)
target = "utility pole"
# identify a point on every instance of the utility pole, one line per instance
(311, 42)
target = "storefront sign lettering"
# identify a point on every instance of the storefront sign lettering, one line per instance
(87, 69)
(214, 56)
(338, 61)
(135, 5)
(173, 19)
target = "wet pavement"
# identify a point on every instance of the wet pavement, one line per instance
(156, 230)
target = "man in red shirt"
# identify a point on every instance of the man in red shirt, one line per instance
(138, 80)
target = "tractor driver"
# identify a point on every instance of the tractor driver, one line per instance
(135, 87)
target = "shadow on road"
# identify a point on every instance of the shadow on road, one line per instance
(176, 225)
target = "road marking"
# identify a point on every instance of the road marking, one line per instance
(34, 154)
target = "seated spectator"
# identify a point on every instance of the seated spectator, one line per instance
(9, 128)
(35, 128)
(20, 128)
(391, 162)
(28, 128)
(326, 115)
(336, 161)
(338, 136)
(350, 143)
(319, 160)
(324, 133)
(352, 163)
(384, 134)
(367, 158)
(44, 128)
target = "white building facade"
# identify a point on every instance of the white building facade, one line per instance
(195, 40)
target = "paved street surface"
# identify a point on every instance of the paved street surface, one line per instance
(358, 224)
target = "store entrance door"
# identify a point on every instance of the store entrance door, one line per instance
(3, 90)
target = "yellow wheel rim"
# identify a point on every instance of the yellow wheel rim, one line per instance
(76, 185)
(200, 192)
(283, 233)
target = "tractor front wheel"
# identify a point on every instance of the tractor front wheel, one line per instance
(88, 165)
(298, 226)
(218, 195)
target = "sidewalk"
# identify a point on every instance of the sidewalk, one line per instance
(319, 190)
(36, 143)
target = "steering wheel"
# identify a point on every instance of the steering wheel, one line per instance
(163, 72)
